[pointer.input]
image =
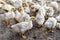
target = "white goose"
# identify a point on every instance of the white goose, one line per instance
(26, 7)
(21, 16)
(8, 7)
(15, 3)
(22, 26)
(7, 16)
(2, 3)
(41, 8)
(40, 18)
(54, 4)
(50, 23)
(58, 18)
(49, 11)
(58, 25)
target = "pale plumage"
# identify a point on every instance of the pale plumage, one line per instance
(18, 3)
(27, 10)
(9, 15)
(2, 3)
(40, 18)
(26, 7)
(54, 4)
(43, 10)
(22, 27)
(58, 25)
(49, 11)
(22, 16)
(41, 2)
(8, 7)
(15, 3)
(51, 23)
(34, 8)
(58, 18)
(17, 15)
(37, 6)
(28, 1)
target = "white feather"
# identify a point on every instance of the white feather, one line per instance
(43, 10)
(40, 18)
(18, 3)
(50, 23)
(50, 11)
(54, 4)
(21, 16)
(22, 27)
(58, 25)
(9, 15)
(8, 7)
(27, 1)
(17, 14)
(58, 18)
(27, 9)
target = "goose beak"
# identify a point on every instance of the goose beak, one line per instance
(33, 18)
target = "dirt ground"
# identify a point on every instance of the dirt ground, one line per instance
(33, 34)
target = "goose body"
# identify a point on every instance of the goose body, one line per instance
(58, 18)
(22, 27)
(51, 23)
(40, 18)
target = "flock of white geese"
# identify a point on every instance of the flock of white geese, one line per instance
(26, 11)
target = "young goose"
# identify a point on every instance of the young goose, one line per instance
(58, 25)
(2, 11)
(15, 3)
(29, 1)
(41, 8)
(2, 3)
(26, 7)
(50, 23)
(49, 11)
(34, 9)
(31, 4)
(40, 18)
(21, 16)
(54, 4)
(37, 6)
(58, 18)
(40, 2)
(8, 7)
(7, 16)
(18, 3)
(22, 26)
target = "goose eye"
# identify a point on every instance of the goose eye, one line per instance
(36, 10)
(6, 10)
